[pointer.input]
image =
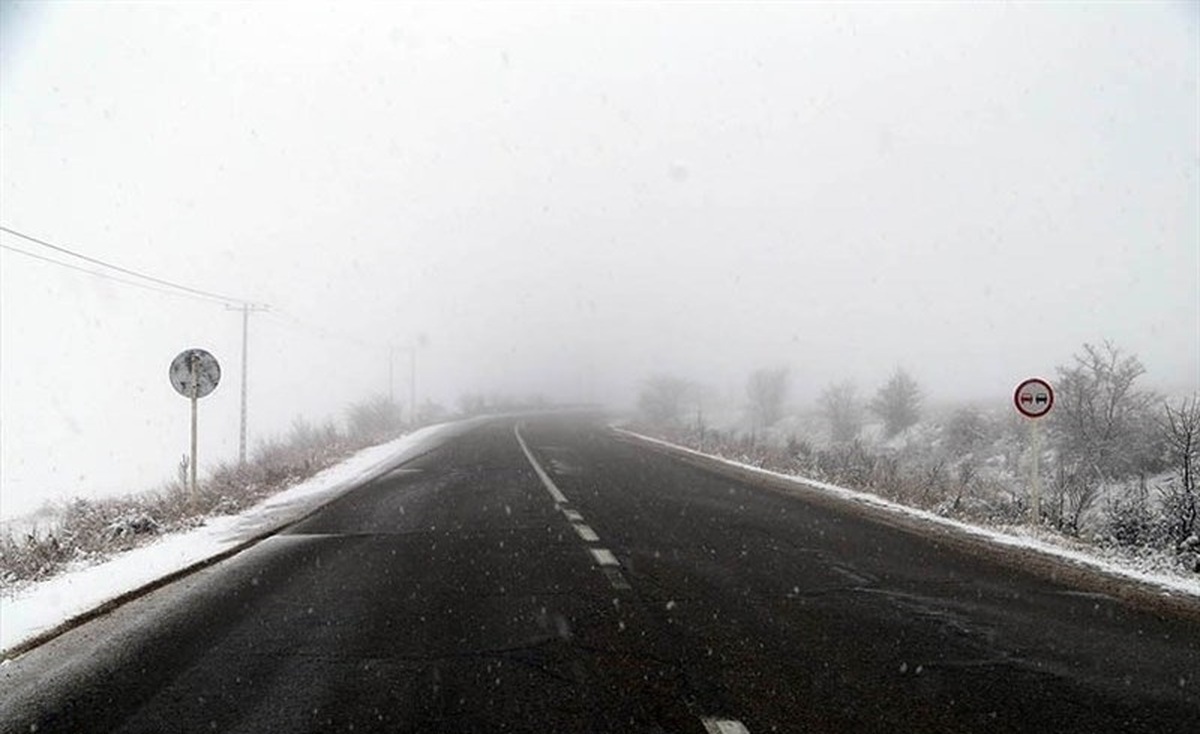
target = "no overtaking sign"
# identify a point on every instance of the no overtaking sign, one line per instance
(1034, 398)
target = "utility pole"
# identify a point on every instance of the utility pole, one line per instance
(245, 349)
(245, 308)
(391, 375)
(412, 347)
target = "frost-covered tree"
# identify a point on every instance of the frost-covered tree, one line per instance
(1180, 431)
(1103, 430)
(898, 403)
(966, 431)
(767, 389)
(374, 419)
(840, 404)
(662, 399)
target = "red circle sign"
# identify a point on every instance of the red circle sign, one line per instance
(1034, 398)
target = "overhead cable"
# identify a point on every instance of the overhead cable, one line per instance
(126, 271)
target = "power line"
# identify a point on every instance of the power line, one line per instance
(106, 276)
(171, 288)
(197, 295)
(322, 332)
(118, 268)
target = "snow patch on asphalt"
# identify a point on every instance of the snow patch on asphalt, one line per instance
(40, 607)
(1011, 537)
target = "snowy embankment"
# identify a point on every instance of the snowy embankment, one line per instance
(40, 608)
(1016, 538)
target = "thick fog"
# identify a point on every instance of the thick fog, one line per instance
(562, 200)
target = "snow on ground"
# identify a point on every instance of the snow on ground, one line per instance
(42, 606)
(1011, 537)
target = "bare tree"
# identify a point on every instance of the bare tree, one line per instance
(898, 403)
(767, 390)
(840, 404)
(431, 412)
(663, 399)
(470, 404)
(1180, 431)
(1102, 423)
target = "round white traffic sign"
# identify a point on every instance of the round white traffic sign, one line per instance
(194, 373)
(1034, 398)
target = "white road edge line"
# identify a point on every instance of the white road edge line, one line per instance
(572, 515)
(724, 726)
(558, 496)
(585, 532)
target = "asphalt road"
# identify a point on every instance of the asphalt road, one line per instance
(635, 594)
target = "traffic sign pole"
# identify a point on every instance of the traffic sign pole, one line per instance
(195, 400)
(1036, 480)
(1033, 399)
(194, 373)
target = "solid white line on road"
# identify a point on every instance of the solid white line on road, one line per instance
(585, 532)
(724, 726)
(573, 516)
(558, 496)
(604, 557)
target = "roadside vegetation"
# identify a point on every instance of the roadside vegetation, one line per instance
(1118, 463)
(84, 531)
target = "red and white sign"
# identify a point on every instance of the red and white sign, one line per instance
(1034, 398)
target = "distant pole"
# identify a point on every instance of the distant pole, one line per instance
(391, 375)
(245, 350)
(195, 399)
(246, 309)
(412, 382)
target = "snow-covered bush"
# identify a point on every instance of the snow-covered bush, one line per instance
(91, 529)
(1129, 520)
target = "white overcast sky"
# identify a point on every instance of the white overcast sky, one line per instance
(566, 198)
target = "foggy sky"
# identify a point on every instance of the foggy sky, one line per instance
(567, 198)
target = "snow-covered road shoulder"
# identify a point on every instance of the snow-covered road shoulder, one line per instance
(1159, 583)
(38, 611)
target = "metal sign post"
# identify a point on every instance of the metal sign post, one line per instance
(195, 386)
(1033, 399)
(194, 373)
(1035, 440)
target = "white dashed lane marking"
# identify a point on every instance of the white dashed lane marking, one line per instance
(615, 577)
(585, 532)
(604, 557)
(608, 563)
(724, 726)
